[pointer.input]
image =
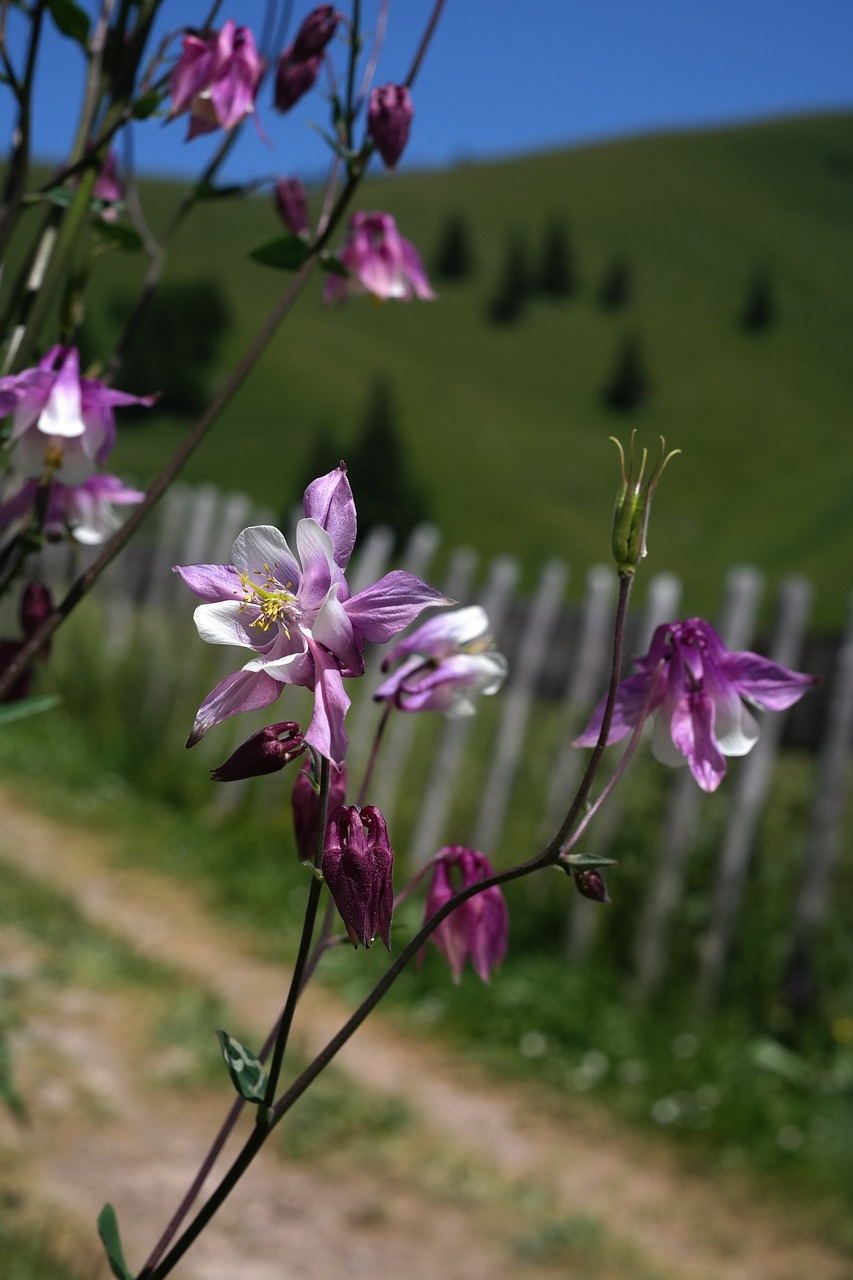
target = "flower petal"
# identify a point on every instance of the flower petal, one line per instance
(230, 622)
(443, 634)
(382, 610)
(329, 501)
(692, 728)
(242, 691)
(213, 582)
(326, 732)
(262, 549)
(767, 683)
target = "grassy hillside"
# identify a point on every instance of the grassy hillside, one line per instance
(505, 426)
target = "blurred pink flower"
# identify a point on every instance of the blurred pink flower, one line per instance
(478, 929)
(389, 118)
(216, 79)
(379, 261)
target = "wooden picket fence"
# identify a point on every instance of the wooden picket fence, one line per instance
(558, 655)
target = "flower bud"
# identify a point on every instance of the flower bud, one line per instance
(357, 866)
(292, 205)
(265, 752)
(315, 33)
(36, 607)
(305, 802)
(389, 117)
(590, 884)
(479, 927)
(633, 506)
(293, 78)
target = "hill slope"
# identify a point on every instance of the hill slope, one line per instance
(505, 426)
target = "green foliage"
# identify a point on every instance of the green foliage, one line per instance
(617, 284)
(27, 1254)
(247, 1075)
(111, 1240)
(557, 276)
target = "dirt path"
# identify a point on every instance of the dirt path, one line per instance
(684, 1226)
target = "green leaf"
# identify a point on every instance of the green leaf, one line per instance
(334, 266)
(207, 191)
(108, 1231)
(28, 707)
(146, 105)
(286, 253)
(585, 861)
(247, 1074)
(61, 196)
(71, 20)
(120, 235)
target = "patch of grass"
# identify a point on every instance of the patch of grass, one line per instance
(27, 1254)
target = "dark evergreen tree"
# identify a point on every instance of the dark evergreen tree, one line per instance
(179, 338)
(759, 309)
(454, 257)
(617, 285)
(385, 491)
(558, 276)
(628, 386)
(510, 299)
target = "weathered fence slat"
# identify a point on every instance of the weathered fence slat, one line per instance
(749, 799)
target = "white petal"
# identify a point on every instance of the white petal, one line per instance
(736, 730)
(228, 622)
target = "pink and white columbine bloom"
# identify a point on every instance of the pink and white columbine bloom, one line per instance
(379, 261)
(445, 663)
(85, 512)
(478, 929)
(62, 424)
(694, 687)
(296, 613)
(216, 79)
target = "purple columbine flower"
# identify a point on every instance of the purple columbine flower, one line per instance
(84, 512)
(299, 64)
(296, 613)
(695, 687)
(389, 118)
(446, 662)
(379, 261)
(266, 751)
(62, 424)
(478, 929)
(305, 804)
(216, 79)
(315, 32)
(357, 866)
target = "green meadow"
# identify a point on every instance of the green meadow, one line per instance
(504, 426)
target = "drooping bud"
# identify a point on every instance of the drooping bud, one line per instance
(292, 205)
(357, 866)
(590, 884)
(315, 33)
(389, 118)
(36, 607)
(267, 751)
(633, 505)
(293, 78)
(478, 929)
(305, 804)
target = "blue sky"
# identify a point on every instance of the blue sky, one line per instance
(506, 78)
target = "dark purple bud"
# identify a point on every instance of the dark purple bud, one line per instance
(265, 752)
(292, 205)
(306, 807)
(590, 883)
(389, 116)
(478, 929)
(357, 867)
(315, 33)
(36, 607)
(293, 79)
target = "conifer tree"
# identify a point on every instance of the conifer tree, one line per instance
(557, 276)
(628, 386)
(509, 301)
(759, 309)
(387, 492)
(617, 285)
(454, 258)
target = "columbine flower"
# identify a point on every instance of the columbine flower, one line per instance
(84, 512)
(62, 424)
(447, 660)
(379, 262)
(695, 686)
(108, 187)
(299, 64)
(357, 865)
(216, 79)
(296, 613)
(478, 929)
(389, 118)
(266, 751)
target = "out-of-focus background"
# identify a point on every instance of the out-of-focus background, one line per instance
(635, 217)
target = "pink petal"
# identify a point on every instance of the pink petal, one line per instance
(242, 691)
(380, 611)
(329, 501)
(212, 582)
(692, 728)
(765, 682)
(326, 732)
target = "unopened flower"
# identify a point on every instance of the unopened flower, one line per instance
(299, 65)
(389, 118)
(266, 751)
(292, 205)
(590, 884)
(379, 261)
(445, 663)
(633, 505)
(478, 929)
(357, 866)
(695, 687)
(36, 607)
(216, 79)
(296, 613)
(108, 187)
(62, 424)
(305, 802)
